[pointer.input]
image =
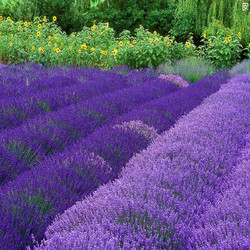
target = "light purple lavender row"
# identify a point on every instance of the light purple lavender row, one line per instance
(68, 177)
(47, 134)
(163, 192)
(225, 223)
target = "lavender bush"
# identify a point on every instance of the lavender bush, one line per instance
(241, 68)
(176, 79)
(164, 192)
(191, 68)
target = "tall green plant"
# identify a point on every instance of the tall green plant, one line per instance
(223, 49)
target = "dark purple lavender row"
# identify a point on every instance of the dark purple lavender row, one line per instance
(161, 196)
(14, 111)
(68, 177)
(27, 79)
(47, 134)
(19, 80)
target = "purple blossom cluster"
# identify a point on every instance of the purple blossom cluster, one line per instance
(59, 182)
(187, 190)
(47, 134)
(175, 79)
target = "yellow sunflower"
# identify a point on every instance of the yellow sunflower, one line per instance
(1, 18)
(92, 49)
(57, 50)
(134, 41)
(188, 44)
(155, 33)
(11, 44)
(120, 43)
(38, 33)
(31, 36)
(54, 18)
(151, 40)
(226, 39)
(239, 33)
(49, 43)
(39, 25)
(204, 35)
(115, 52)
(8, 18)
(229, 38)
(168, 44)
(156, 40)
(70, 47)
(79, 51)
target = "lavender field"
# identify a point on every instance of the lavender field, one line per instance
(123, 159)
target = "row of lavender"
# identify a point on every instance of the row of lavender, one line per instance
(188, 190)
(52, 89)
(30, 143)
(32, 200)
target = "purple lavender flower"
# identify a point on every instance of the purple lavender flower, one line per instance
(163, 193)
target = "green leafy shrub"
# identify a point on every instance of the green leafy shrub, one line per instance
(223, 49)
